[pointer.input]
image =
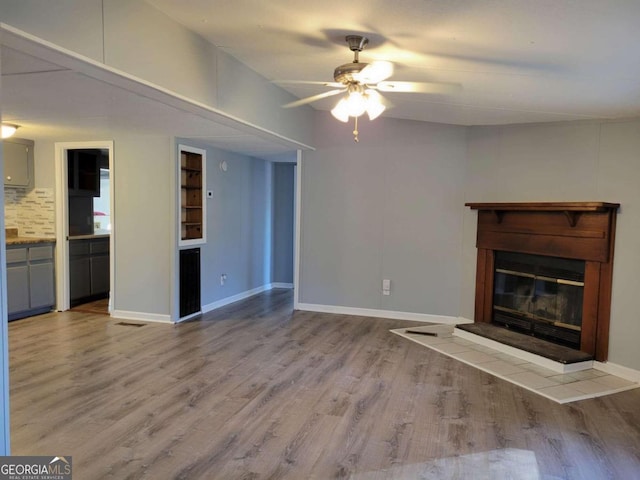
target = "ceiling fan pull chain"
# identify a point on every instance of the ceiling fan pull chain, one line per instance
(355, 131)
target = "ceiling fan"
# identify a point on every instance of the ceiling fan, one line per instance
(362, 82)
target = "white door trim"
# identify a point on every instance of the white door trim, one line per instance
(297, 230)
(62, 220)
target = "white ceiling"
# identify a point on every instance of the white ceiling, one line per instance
(517, 60)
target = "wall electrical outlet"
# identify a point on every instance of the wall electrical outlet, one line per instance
(386, 287)
(223, 278)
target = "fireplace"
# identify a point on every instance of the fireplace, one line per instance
(545, 269)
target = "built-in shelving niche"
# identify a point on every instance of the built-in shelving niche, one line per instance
(192, 174)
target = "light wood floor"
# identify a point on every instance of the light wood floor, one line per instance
(255, 391)
(97, 306)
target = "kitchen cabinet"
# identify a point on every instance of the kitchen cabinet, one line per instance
(18, 162)
(189, 282)
(88, 269)
(30, 279)
(17, 289)
(79, 279)
(83, 172)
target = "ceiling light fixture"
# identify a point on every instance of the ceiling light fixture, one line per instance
(8, 130)
(358, 101)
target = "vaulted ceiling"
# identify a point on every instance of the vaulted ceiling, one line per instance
(517, 60)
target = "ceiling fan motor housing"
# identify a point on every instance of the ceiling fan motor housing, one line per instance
(356, 42)
(345, 73)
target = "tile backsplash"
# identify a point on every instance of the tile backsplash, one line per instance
(32, 212)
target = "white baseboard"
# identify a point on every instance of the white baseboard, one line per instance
(282, 285)
(618, 370)
(188, 317)
(464, 320)
(371, 312)
(236, 298)
(141, 316)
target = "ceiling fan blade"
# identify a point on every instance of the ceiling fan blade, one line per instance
(304, 101)
(373, 93)
(419, 87)
(374, 72)
(308, 82)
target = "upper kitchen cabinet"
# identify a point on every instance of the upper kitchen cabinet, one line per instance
(192, 176)
(18, 162)
(83, 172)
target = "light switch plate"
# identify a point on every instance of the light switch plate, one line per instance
(209, 193)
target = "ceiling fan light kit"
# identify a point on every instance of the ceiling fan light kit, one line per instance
(361, 82)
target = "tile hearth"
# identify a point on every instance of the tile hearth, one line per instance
(548, 382)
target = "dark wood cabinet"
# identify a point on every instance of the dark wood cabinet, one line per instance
(83, 172)
(189, 282)
(88, 270)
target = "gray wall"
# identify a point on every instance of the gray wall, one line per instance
(143, 182)
(144, 220)
(387, 207)
(142, 41)
(392, 207)
(577, 161)
(247, 95)
(73, 24)
(283, 222)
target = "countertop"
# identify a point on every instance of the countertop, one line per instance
(13, 238)
(11, 241)
(89, 237)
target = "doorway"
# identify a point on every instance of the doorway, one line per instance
(84, 226)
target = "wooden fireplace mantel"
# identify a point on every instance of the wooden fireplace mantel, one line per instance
(578, 230)
(545, 206)
(571, 210)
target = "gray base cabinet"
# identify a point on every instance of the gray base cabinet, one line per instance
(30, 280)
(17, 289)
(41, 291)
(79, 278)
(88, 269)
(99, 274)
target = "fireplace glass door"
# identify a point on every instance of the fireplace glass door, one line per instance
(539, 295)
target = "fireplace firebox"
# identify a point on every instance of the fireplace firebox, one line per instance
(538, 295)
(545, 269)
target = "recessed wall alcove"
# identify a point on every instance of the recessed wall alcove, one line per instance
(583, 231)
